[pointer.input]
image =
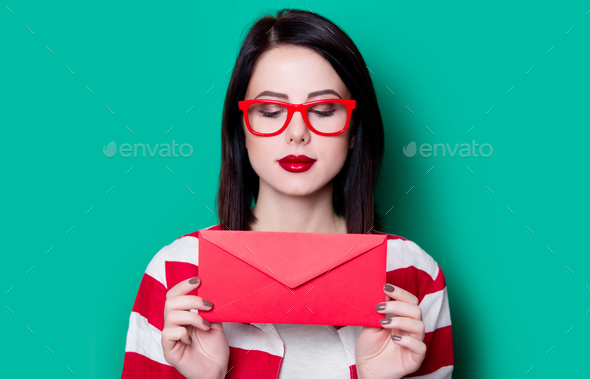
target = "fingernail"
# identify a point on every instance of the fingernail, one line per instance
(390, 315)
(207, 303)
(388, 287)
(385, 321)
(206, 323)
(190, 338)
(396, 338)
(380, 306)
(194, 280)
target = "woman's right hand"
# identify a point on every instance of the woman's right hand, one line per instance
(196, 348)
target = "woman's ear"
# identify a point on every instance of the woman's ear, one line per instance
(351, 144)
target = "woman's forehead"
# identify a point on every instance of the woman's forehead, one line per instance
(295, 71)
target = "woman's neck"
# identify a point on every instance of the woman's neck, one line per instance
(314, 213)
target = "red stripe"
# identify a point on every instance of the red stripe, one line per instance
(151, 296)
(439, 283)
(246, 364)
(150, 300)
(137, 366)
(439, 351)
(416, 281)
(176, 272)
(252, 364)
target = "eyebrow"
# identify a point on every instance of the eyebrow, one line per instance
(311, 94)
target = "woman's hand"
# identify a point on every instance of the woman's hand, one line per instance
(196, 348)
(377, 354)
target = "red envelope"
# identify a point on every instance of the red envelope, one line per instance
(292, 278)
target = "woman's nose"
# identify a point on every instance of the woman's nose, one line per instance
(297, 125)
(297, 129)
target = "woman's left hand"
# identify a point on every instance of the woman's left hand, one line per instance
(377, 354)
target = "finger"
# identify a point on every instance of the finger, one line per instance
(417, 347)
(400, 308)
(184, 287)
(398, 293)
(405, 324)
(172, 335)
(183, 318)
(187, 302)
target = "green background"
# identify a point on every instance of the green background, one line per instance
(438, 69)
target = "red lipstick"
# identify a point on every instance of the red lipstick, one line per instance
(299, 163)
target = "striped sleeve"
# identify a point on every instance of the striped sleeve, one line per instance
(412, 269)
(439, 360)
(144, 357)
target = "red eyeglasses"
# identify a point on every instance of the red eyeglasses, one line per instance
(326, 117)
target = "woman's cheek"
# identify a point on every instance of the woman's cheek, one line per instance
(261, 160)
(338, 158)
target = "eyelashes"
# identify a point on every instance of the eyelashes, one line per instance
(324, 113)
(319, 114)
(270, 114)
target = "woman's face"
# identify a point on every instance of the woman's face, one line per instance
(292, 73)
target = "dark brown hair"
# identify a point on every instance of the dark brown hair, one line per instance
(354, 185)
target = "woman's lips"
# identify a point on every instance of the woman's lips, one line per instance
(298, 163)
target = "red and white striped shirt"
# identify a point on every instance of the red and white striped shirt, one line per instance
(256, 349)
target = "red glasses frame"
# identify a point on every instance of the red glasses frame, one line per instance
(301, 108)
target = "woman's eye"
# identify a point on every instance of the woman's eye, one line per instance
(270, 114)
(323, 113)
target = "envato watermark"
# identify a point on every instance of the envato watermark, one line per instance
(463, 150)
(164, 150)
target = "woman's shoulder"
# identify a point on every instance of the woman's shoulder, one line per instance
(181, 252)
(403, 252)
(412, 267)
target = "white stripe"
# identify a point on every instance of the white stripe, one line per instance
(145, 339)
(435, 310)
(349, 335)
(402, 254)
(445, 372)
(185, 249)
(249, 337)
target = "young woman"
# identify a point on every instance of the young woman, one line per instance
(302, 138)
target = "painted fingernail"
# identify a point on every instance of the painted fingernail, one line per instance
(390, 315)
(206, 323)
(380, 306)
(388, 287)
(385, 321)
(190, 338)
(194, 280)
(207, 303)
(396, 338)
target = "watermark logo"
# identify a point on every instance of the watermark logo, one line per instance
(463, 150)
(164, 150)
(110, 150)
(410, 150)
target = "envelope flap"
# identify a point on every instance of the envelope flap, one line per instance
(293, 258)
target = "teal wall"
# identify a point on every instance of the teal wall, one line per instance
(510, 74)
